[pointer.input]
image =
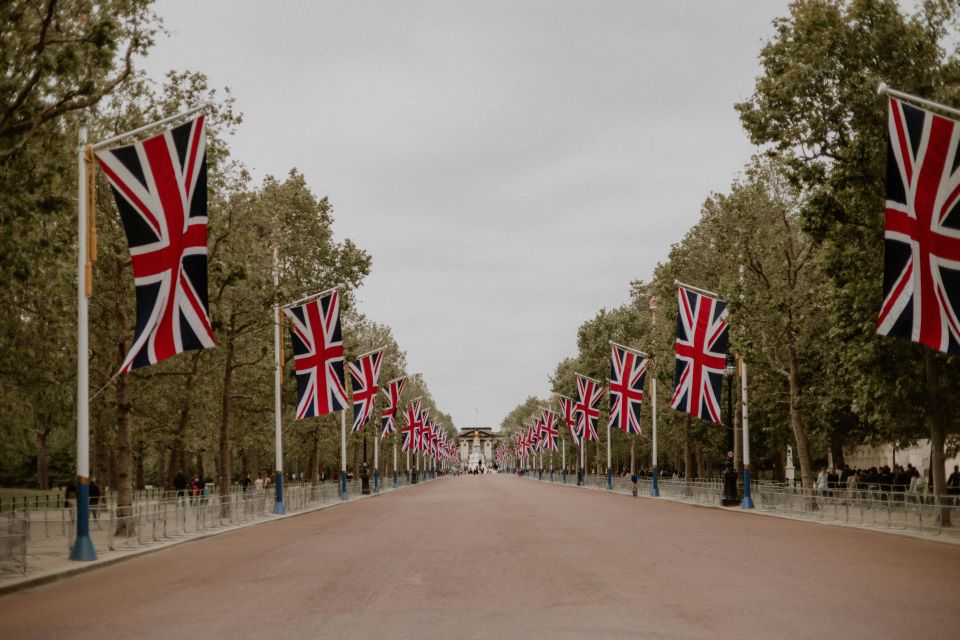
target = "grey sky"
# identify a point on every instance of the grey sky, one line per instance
(510, 166)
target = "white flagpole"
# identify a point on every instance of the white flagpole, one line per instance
(394, 464)
(609, 469)
(655, 490)
(278, 506)
(83, 546)
(747, 500)
(343, 453)
(582, 472)
(563, 449)
(376, 463)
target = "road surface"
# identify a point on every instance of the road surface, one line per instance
(501, 557)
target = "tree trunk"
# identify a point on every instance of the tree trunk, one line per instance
(935, 423)
(141, 485)
(101, 455)
(123, 448)
(799, 434)
(125, 523)
(43, 476)
(225, 466)
(836, 450)
(177, 449)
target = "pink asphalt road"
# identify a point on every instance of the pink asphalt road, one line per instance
(500, 557)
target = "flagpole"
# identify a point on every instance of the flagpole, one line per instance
(394, 464)
(83, 546)
(582, 471)
(654, 490)
(152, 125)
(408, 467)
(376, 464)
(563, 449)
(747, 500)
(343, 453)
(278, 506)
(609, 469)
(883, 89)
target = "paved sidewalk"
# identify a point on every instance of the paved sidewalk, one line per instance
(46, 564)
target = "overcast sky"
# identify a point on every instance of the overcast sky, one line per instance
(510, 166)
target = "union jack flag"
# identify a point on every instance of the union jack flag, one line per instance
(548, 429)
(411, 432)
(160, 187)
(423, 443)
(702, 339)
(587, 408)
(569, 417)
(318, 355)
(388, 415)
(363, 382)
(921, 275)
(532, 432)
(628, 374)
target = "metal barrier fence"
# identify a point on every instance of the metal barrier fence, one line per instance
(13, 542)
(51, 530)
(915, 512)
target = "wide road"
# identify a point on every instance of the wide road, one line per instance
(500, 557)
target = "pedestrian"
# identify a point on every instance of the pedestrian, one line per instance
(258, 483)
(245, 483)
(94, 499)
(953, 482)
(180, 484)
(636, 484)
(195, 490)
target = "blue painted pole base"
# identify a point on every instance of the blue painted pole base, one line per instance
(278, 507)
(580, 478)
(394, 479)
(655, 490)
(564, 475)
(609, 479)
(343, 485)
(540, 474)
(376, 481)
(747, 500)
(82, 549)
(551, 475)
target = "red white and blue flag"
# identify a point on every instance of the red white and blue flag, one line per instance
(702, 340)
(318, 355)
(587, 407)
(363, 382)
(388, 422)
(160, 187)
(548, 429)
(628, 374)
(423, 443)
(535, 443)
(411, 431)
(921, 275)
(569, 417)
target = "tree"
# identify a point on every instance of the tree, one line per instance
(815, 104)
